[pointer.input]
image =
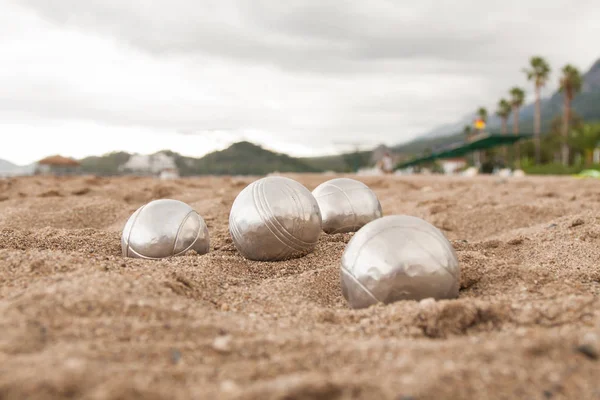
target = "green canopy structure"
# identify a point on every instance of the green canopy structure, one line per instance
(480, 142)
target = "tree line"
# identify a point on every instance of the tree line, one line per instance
(567, 130)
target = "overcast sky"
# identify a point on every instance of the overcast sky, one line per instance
(84, 77)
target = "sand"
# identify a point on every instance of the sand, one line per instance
(77, 320)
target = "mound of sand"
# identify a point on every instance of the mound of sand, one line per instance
(77, 320)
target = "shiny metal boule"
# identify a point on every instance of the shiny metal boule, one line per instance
(275, 218)
(398, 257)
(164, 228)
(346, 205)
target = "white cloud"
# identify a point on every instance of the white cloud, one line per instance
(90, 77)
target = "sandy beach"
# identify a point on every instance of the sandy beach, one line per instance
(77, 320)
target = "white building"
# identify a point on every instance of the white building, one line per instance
(452, 165)
(154, 164)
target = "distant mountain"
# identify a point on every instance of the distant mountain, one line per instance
(421, 145)
(586, 104)
(448, 129)
(9, 169)
(7, 166)
(592, 78)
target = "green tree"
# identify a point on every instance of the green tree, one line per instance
(356, 160)
(585, 138)
(517, 97)
(570, 84)
(467, 131)
(552, 143)
(106, 165)
(503, 111)
(482, 113)
(538, 72)
(479, 156)
(557, 123)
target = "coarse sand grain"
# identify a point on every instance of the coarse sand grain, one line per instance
(77, 320)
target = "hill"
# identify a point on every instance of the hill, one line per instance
(345, 162)
(243, 158)
(586, 104)
(334, 162)
(107, 164)
(7, 166)
(8, 169)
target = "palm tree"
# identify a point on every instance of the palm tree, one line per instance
(482, 113)
(517, 97)
(503, 112)
(467, 131)
(585, 138)
(570, 84)
(538, 73)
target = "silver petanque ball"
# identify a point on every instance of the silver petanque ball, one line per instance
(164, 228)
(398, 257)
(275, 218)
(346, 205)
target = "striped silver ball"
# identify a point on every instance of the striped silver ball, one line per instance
(346, 205)
(398, 257)
(274, 218)
(164, 228)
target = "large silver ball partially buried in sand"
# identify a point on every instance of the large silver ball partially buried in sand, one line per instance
(275, 218)
(164, 228)
(346, 205)
(398, 257)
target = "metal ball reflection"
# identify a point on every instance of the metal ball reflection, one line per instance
(275, 218)
(346, 205)
(164, 228)
(398, 257)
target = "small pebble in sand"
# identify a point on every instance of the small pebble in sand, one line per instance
(589, 351)
(427, 303)
(74, 364)
(591, 338)
(228, 386)
(222, 344)
(175, 356)
(588, 345)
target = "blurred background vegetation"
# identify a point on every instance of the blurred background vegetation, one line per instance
(567, 124)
